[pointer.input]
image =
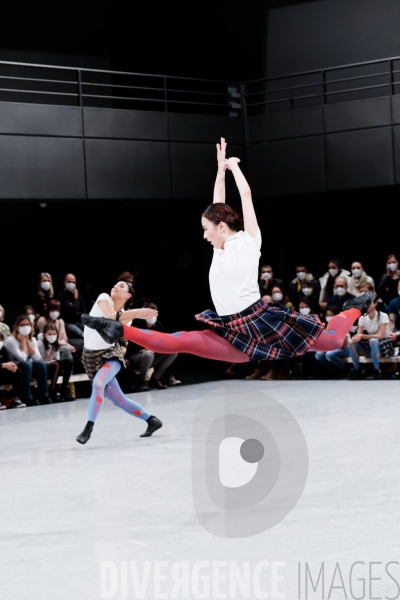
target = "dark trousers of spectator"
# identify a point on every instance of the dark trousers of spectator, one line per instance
(56, 368)
(144, 360)
(13, 379)
(74, 330)
(33, 370)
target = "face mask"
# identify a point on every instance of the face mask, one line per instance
(266, 276)
(307, 291)
(277, 297)
(356, 272)
(31, 318)
(333, 272)
(151, 321)
(392, 266)
(305, 311)
(51, 338)
(328, 319)
(301, 275)
(1, 314)
(70, 286)
(1, 345)
(25, 329)
(339, 291)
(45, 285)
(54, 314)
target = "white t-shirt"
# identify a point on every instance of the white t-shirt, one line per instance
(91, 339)
(371, 326)
(234, 273)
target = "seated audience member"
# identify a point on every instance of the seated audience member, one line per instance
(267, 280)
(327, 281)
(266, 298)
(302, 276)
(308, 290)
(332, 361)
(142, 359)
(388, 285)
(278, 295)
(371, 340)
(304, 367)
(44, 293)
(72, 307)
(394, 317)
(28, 311)
(23, 350)
(4, 328)
(9, 374)
(340, 293)
(50, 351)
(358, 278)
(367, 287)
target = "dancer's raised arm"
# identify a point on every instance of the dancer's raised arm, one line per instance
(249, 215)
(219, 187)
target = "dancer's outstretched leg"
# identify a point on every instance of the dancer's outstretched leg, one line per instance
(332, 338)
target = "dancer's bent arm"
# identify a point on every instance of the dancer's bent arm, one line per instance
(249, 215)
(128, 315)
(219, 187)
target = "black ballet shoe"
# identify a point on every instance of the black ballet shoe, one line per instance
(153, 425)
(110, 330)
(84, 437)
(362, 302)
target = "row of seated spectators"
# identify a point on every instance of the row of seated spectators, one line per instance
(46, 337)
(375, 336)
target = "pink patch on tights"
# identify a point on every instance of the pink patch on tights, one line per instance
(105, 366)
(137, 412)
(99, 399)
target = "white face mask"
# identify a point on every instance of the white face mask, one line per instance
(300, 275)
(1, 313)
(305, 311)
(51, 338)
(151, 321)
(328, 319)
(25, 329)
(54, 314)
(356, 272)
(1, 345)
(266, 276)
(70, 286)
(393, 266)
(340, 291)
(45, 285)
(31, 318)
(277, 297)
(307, 291)
(333, 272)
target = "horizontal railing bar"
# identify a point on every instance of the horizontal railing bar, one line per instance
(198, 92)
(35, 79)
(358, 77)
(294, 87)
(123, 98)
(128, 87)
(38, 92)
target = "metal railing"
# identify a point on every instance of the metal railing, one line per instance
(320, 87)
(47, 84)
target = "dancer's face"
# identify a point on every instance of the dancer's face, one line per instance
(214, 234)
(120, 292)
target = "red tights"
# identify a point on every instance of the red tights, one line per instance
(209, 344)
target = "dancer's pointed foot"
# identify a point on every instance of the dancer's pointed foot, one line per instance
(110, 330)
(361, 302)
(83, 437)
(152, 425)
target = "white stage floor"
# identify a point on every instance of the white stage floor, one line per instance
(102, 520)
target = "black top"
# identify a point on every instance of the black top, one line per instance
(339, 300)
(71, 307)
(39, 303)
(271, 283)
(387, 289)
(4, 355)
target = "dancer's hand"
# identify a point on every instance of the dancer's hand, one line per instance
(146, 313)
(231, 162)
(221, 155)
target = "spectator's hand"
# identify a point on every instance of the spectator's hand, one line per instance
(72, 348)
(10, 366)
(146, 313)
(21, 338)
(394, 336)
(76, 294)
(231, 162)
(221, 155)
(356, 338)
(142, 350)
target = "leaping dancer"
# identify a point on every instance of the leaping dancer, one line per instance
(243, 328)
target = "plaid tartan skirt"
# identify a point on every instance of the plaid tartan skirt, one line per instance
(266, 331)
(93, 359)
